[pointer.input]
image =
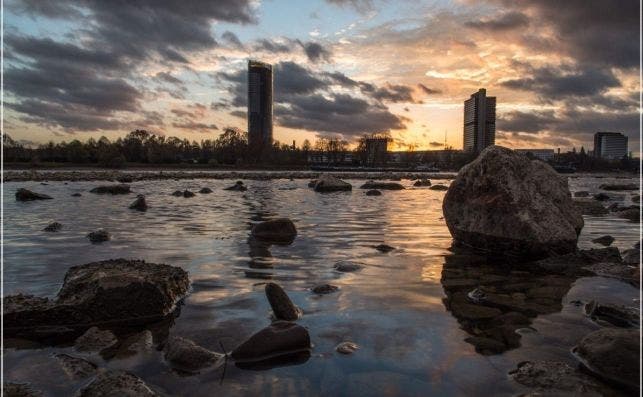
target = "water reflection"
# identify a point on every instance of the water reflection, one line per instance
(494, 303)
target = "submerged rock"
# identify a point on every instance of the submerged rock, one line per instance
(281, 337)
(384, 248)
(185, 355)
(348, 266)
(187, 193)
(95, 340)
(619, 316)
(347, 348)
(590, 207)
(373, 193)
(280, 230)
(53, 227)
(205, 190)
(98, 236)
(239, 187)
(328, 183)
(76, 194)
(439, 187)
(312, 183)
(554, 378)
(139, 204)
(606, 240)
(601, 197)
(282, 306)
(111, 189)
(632, 213)
(115, 292)
(12, 389)
(322, 289)
(382, 185)
(177, 193)
(612, 354)
(504, 203)
(28, 195)
(76, 367)
(422, 183)
(619, 187)
(117, 383)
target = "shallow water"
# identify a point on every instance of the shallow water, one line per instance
(410, 344)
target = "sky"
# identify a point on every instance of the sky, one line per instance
(560, 70)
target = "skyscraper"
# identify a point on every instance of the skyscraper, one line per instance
(259, 107)
(479, 121)
(610, 145)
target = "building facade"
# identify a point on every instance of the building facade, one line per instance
(479, 121)
(259, 107)
(610, 145)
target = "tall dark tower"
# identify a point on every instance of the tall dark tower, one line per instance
(259, 107)
(479, 121)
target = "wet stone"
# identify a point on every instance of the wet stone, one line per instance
(76, 367)
(53, 227)
(346, 348)
(187, 194)
(94, 340)
(279, 338)
(98, 236)
(76, 195)
(348, 266)
(111, 189)
(619, 187)
(238, 187)
(117, 383)
(328, 183)
(604, 240)
(177, 193)
(139, 204)
(581, 193)
(322, 289)
(28, 195)
(422, 183)
(373, 193)
(384, 248)
(12, 389)
(371, 185)
(185, 355)
(280, 230)
(439, 187)
(590, 207)
(282, 306)
(550, 378)
(619, 316)
(205, 190)
(601, 197)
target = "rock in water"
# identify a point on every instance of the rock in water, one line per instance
(205, 190)
(382, 185)
(116, 291)
(347, 348)
(328, 183)
(117, 383)
(76, 367)
(554, 378)
(280, 230)
(581, 193)
(439, 187)
(76, 194)
(590, 207)
(187, 193)
(185, 355)
(373, 193)
(384, 248)
(98, 236)
(312, 183)
(53, 227)
(348, 266)
(238, 187)
(504, 203)
(601, 197)
(95, 340)
(281, 337)
(619, 187)
(111, 189)
(28, 195)
(612, 353)
(139, 204)
(177, 193)
(323, 289)
(604, 240)
(422, 183)
(282, 306)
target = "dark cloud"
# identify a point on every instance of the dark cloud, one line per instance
(359, 5)
(390, 93)
(427, 90)
(232, 39)
(508, 21)
(194, 126)
(273, 46)
(436, 144)
(183, 113)
(223, 104)
(168, 78)
(534, 122)
(239, 113)
(565, 81)
(315, 52)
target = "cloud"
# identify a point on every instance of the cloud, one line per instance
(168, 78)
(427, 90)
(517, 121)
(315, 52)
(362, 6)
(508, 21)
(194, 126)
(436, 144)
(232, 39)
(273, 46)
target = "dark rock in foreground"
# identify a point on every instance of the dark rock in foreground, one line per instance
(373, 193)
(187, 194)
(323, 289)
(619, 187)
(282, 306)
(53, 227)
(312, 183)
(328, 183)
(177, 193)
(205, 190)
(94, 340)
(612, 354)
(281, 337)
(632, 213)
(280, 230)
(28, 195)
(238, 187)
(111, 189)
(554, 378)
(117, 383)
(139, 204)
(114, 292)
(504, 203)
(604, 240)
(382, 185)
(185, 355)
(98, 236)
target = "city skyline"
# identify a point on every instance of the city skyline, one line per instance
(345, 68)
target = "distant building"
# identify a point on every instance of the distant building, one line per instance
(541, 154)
(479, 121)
(610, 145)
(259, 106)
(376, 151)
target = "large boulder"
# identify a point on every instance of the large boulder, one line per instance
(504, 203)
(280, 230)
(28, 195)
(113, 292)
(613, 354)
(282, 306)
(328, 183)
(281, 337)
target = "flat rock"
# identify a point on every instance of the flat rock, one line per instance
(348, 266)
(282, 306)
(185, 355)
(346, 348)
(554, 378)
(53, 227)
(606, 240)
(111, 189)
(505, 203)
(373, 193)
(328, 183)
(94, 340)
(28, 195)
(612, 354)
(116, 291)
(382, 185)
(279, 338)
(280, 230)
(76, 367)
(98, 236)
(323, 289)
(117, 383)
